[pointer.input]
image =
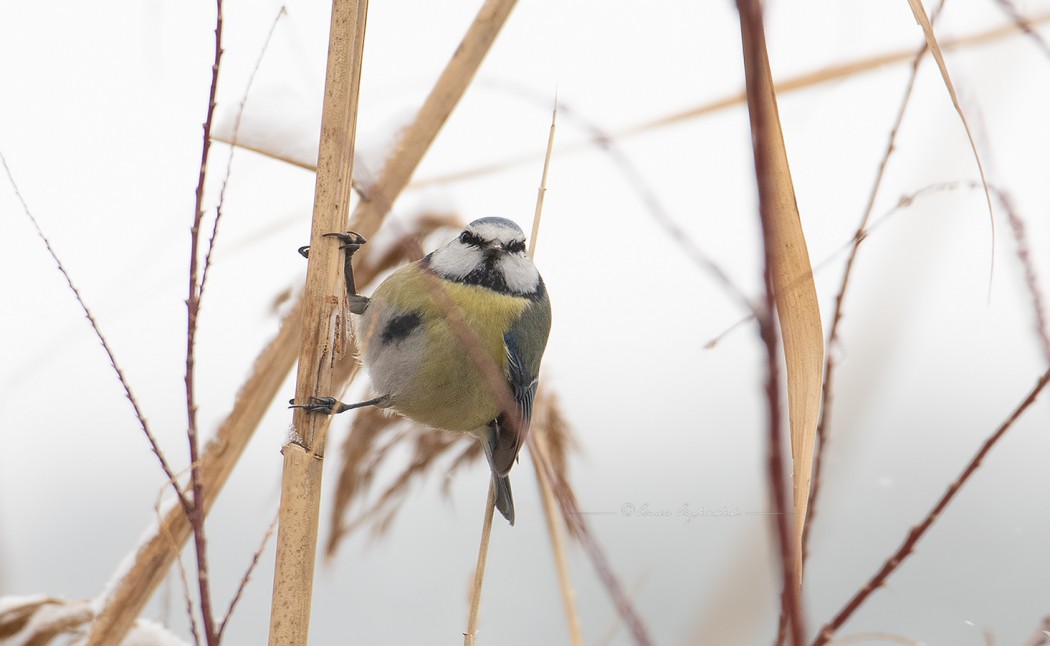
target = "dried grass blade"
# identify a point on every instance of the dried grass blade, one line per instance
(791, 275)
(935, 49)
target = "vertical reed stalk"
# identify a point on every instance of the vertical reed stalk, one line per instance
(322, 341)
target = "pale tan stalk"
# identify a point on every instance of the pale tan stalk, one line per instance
(541, 456)
(323, 340)
(470, 636)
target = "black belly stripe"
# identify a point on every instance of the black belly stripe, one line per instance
(400, 327)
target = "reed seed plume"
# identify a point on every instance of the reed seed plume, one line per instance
(375, 434)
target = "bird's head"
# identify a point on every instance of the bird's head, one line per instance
(489, 252)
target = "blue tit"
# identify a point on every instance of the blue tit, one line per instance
(415, 352)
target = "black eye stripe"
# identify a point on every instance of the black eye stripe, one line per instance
(470, 238)
(474, 240)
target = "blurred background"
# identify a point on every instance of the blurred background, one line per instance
(101, 106)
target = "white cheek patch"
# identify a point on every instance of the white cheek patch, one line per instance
(519, 272)
(455, 259)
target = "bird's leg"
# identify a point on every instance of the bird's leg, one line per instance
(332, 406)
(351, 242)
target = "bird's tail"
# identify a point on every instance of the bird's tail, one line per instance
(504, 500)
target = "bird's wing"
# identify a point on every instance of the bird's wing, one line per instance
(525, 342)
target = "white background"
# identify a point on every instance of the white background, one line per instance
(101, 106)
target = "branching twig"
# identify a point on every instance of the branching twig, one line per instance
(833, 337)
(918, 531)
(233, 148)
(196, 514)
(183, 579)
(154, 445)
(836, 318)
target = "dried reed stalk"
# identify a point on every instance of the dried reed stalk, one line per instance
(323, 339)
(789, 280)
(470, 636)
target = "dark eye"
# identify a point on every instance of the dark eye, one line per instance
(469, 238)
(516, 247)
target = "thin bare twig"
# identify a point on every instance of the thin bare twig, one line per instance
(183, 578)
(570, 509)
(1024, 25)
(918, 531)
(154, 445)
(247, 573)
(233, 148)
(196, 513)
(830, 364)
(1031, 278)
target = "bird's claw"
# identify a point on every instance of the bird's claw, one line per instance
(316, 405)
(351, 242)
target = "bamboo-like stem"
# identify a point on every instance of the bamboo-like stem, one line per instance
(154, 558)
(323, 342)
(471, 634)
(541, 457)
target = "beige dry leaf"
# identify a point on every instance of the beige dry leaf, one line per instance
(792, 277)
(935, 49)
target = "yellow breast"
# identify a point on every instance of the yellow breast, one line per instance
(447, 388)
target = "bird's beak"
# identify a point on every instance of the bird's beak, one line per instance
(493, 250)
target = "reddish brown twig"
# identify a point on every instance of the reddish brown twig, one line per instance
(102, 339)
(1024, 25)
(196, 512)
(917, 532)
(251, 568)
(233, 149)
(1030, 276)
(859, 236)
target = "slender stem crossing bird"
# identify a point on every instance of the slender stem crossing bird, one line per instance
(454, 341)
